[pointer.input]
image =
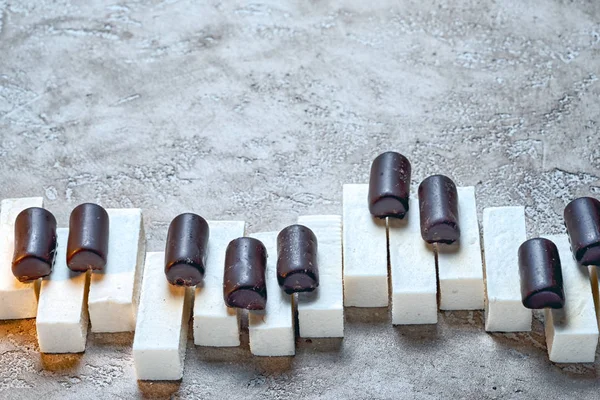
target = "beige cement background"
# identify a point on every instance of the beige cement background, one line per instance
(260, 110)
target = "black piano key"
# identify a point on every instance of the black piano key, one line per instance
(35, 244)
(297, 269)
(389, 185)
(541, 274)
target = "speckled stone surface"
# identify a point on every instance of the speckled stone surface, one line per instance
(261, 111)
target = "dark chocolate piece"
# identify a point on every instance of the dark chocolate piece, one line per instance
(582, 219)
(244, 284)
(389, 185)
(297, 269)
(541, 274)
(438, 208)
(87, 247)
(35, 244)
(185, 254)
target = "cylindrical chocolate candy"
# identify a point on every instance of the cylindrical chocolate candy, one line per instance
(87, 247)
(438, 209)
(389, 185)
(185, 253)
(541, 275)
(35, 244)
(297, 269)
(582, 219)
(244, 284)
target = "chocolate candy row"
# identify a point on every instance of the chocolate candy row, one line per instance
(539, 261)
(244, 284)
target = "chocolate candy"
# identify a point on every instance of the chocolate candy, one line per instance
(541, 275)
(185, 254)
(297, 269)
(438, 207)
(389, 185)
(35, 244)
(87, 246)
(582, 219)
(244, 284)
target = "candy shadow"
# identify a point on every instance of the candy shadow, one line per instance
(61, 362)
(359, 315)
(158, 389)
(319, 345)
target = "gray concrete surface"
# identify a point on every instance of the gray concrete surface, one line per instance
(260, 111)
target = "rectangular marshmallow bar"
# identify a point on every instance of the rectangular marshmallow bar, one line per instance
(321, 312)
(215, 324)
(572, 332)
(460, 267)
(62, 319)
(18, 300)
(365, 251)
(412, 267)
(162, 324)
(503, 232)
(272, 330)
(114, 292)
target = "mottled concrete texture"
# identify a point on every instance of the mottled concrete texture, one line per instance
(260, 111)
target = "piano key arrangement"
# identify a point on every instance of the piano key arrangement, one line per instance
(382, 249)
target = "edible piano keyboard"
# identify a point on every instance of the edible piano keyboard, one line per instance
(354, 252)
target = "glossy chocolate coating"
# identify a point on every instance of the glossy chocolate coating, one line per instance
(185, 253)
(582, 219)
(35, 244)
(438, 208)
(389, 185)
(87, 247)
(244, 284)
(541, 275)
(297, 269)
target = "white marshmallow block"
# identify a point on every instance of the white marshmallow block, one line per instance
(215, 324)
(162, 324)
(503, 232)
(19, 300)
(272, 330)
(460, 266)
(572, 331)
(321, 312)
(365, 251)
(114, 292)
(412, 268)
(62, 319)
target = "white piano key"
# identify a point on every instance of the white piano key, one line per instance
(572, 332)
(503, 232)
(215, 324)
(321, 312)
(412, 267)
(272, 330)
(19, 300)
(162, 324)
(365, 251)
(460, 267)
(114, 292)
(62, 319)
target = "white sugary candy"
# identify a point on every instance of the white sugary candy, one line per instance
(321, 312)
(460, 269)
(503, 232)
(365, 251)
(62, 319)
(114, 292)
(215, 324)
(572, 331)
(162, 324)
(18, 300)
(412, 266)
(272, 330)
